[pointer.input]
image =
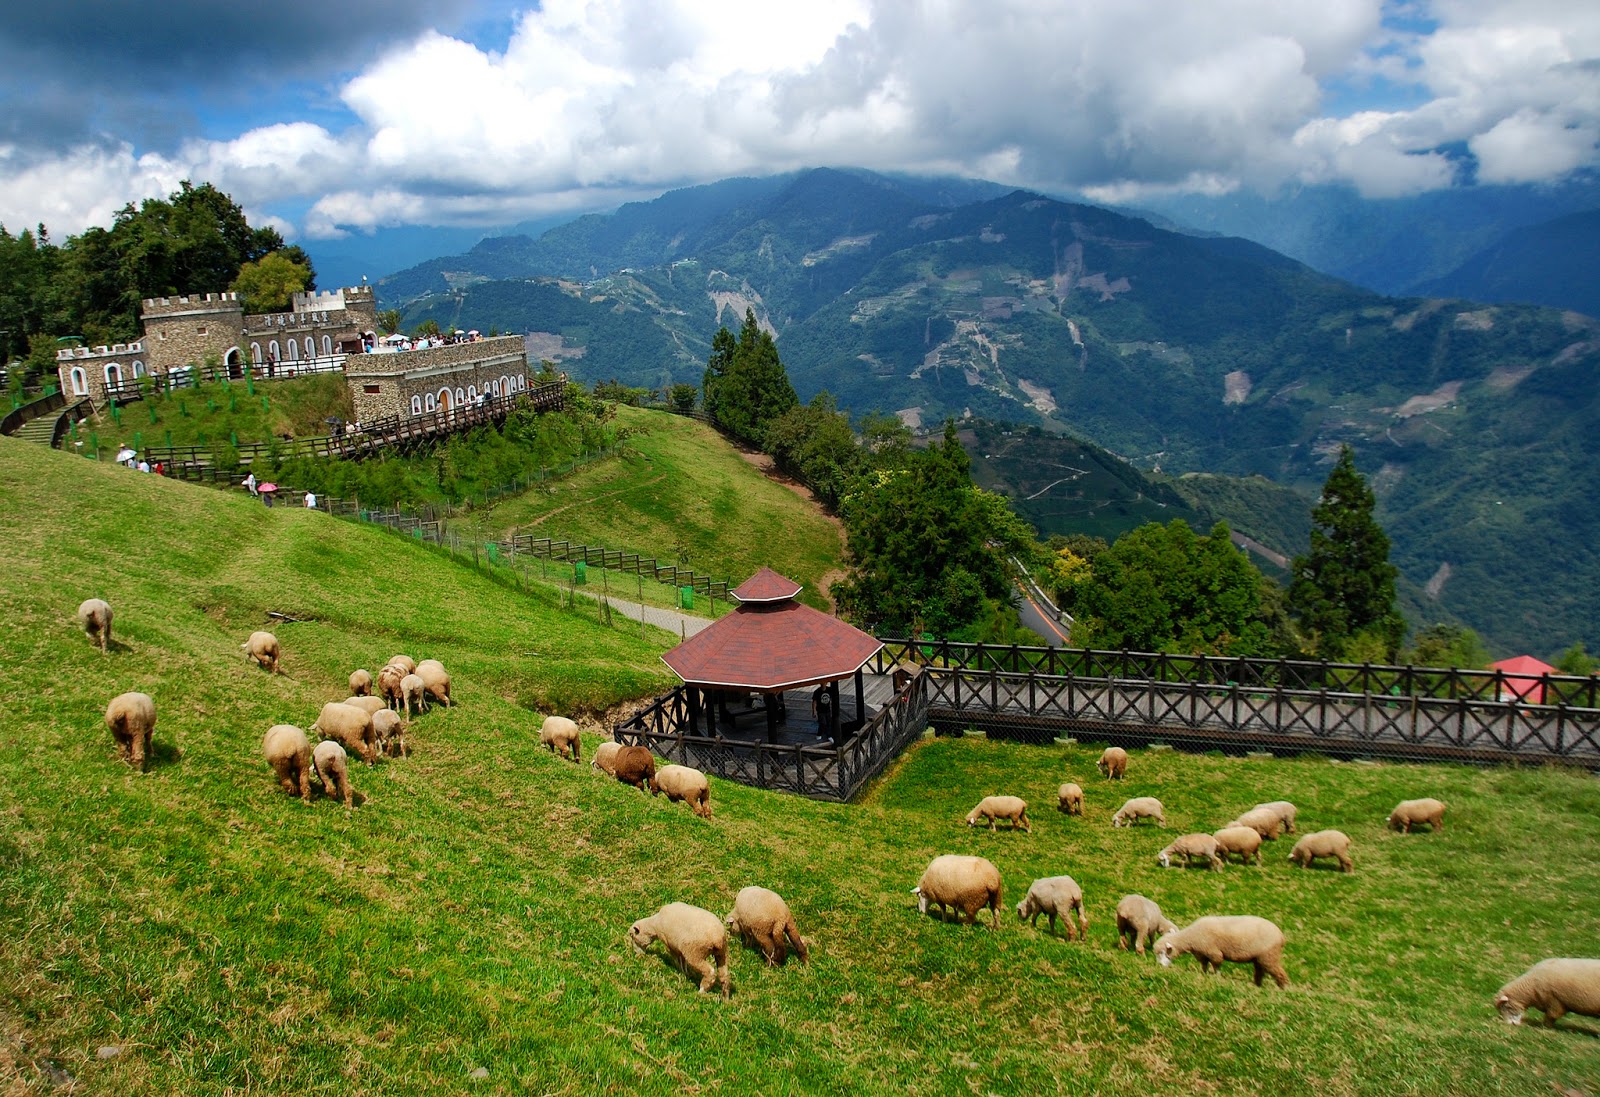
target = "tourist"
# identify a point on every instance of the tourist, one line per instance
(250, 484)
(311, 500)
(143, 466)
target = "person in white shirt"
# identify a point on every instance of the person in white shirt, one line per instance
(311, 500)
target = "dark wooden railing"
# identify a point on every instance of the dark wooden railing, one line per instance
(615, 560)
(50, 402)
(191, 375)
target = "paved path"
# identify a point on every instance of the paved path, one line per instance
(680, 624)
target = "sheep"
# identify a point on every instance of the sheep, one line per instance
(1260, 820)
(414, 692)
(605, 758)
(131, 718)
(991, 808)
(963, 884)
(762, 919)
(695, 938)
(1051, 896)
(1191, 847)
(1244, 841)
(423, 663)
(369, 705)
(407, 664)
(95, 617)
(1240, 939)
(288, 752)
(390, 733)
(1323, 843)
(351, 726)
(333, 767)
(684, 783)
(360, 683)
(389, 679)
(1140, 920)
(561, 736)
(1408, 813)
(263, 648)
(1284, 810)
(1069, 799)
(1113, 763)
(1557, 986)
(435, 680)
(1140, 807)
(635, 766)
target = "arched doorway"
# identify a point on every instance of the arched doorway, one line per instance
(446, 401)
(235, 366)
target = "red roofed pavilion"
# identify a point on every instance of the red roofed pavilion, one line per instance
(1522, 678)
(770, 644)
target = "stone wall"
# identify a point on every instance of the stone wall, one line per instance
(82, 371)
(421, 381)
(181, 330)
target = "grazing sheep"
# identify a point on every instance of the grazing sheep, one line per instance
(635, 766)
(561, 736)
(333, 768)
(695, 938)
(407, 664)
(1323, 843)
(435, 680)
(1140, 807)
(1192, 847)
(1239, 939)
(95, 617)
(263, 648)
(288, 752)
(762, 919)
(684, 783)
(963, 884)
(360, 683)
(1244, 841)
(1069, 799)
(1556, 986)
(1055, 895)
(422, 663)
(131, 717)
(389, 679)
(350, 726)
(369, 705)
(1140, 920)
(1409, 813)
(605, 758)
(1113, 763)
(1284, 810)
(1264, 822)
(991, 808)
(390, 733)
(414, 691)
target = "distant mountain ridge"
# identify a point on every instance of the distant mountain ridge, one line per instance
(1552, 263)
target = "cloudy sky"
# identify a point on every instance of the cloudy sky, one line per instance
(337, 119)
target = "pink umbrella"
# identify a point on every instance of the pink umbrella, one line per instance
(267, 487)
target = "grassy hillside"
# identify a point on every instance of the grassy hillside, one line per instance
(470, 914)
(212, 414)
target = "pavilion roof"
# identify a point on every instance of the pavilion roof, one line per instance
(767, 585)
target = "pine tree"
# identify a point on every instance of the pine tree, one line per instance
(1343, 589)
(745, 386)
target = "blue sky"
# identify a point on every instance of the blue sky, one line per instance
(333, 121)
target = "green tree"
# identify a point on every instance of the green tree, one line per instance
(745, 386)
(1342, 592)
(269, 284)
(1576, 660)
(683, 397)
(1448, 645)
(814, 444)
(389, 321)
(426, 329)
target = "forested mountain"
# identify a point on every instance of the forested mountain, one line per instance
(1552, 263)
(1476, 424)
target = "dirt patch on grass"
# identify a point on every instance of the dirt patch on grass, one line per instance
(769, 469)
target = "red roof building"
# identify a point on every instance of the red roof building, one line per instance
(1522, 678)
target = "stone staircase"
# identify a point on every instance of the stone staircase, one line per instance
(42, 428)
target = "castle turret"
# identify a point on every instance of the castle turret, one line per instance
(181, 330)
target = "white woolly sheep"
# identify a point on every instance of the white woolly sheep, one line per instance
(1557, 987)
(333, 768)
(1192, 847)
(263, 648)
(561, 736)
(360, 683)
(369, 705)
(389, 731)
(1284, 810)
(695, 938)
(605, 757)
(1410, 813)
(1113, 762)
(1140, 807)
(1243, 841)
(1052, 896)
(761, 919)
(407, 664)
(1011, 808)
(350, 726)
(423, 663)
(684, 783)
(435, 680)
(94, 614)
(1239, 939)
(1140, 920)
(389, 679)
(1264, 822)
(1323, 843)
(1069, 799)
(131, 718)
(414, 691)
(965, 885)
(288, 752)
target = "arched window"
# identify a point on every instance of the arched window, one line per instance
(416, 405)
(472, 392)
(429, 403)
(113, 374)
(311, 348)
(294, 351)
(255, 353)
(274, 352)
(461, 397)
(327, 346)
(80, 381)
(138, 368)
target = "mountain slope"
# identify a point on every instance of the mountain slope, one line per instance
(1550, 263)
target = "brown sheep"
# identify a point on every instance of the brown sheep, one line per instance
(435, 680)
(1192, 847)
(1284, 810)
(1069, 799)
(1140, 920)
(333, 768)
(407, 664)
(389, 679)
(1140, 807)
(961, 884)
(1239, 939)
(414, 692)
(1557, 986)
(684, 783)
(761, 919)
(695, 938)
(95, 617)
(1261, 820)
(1113, 763)
(635, 766)
(390, 733)
(263, 648)
(1011, 808)
(1052, 896)
(369, 705)
(561, 736)
(360, 683)
(351, 727)
(605, 758)
(1240, 840)
(1410, 813)
(288, 752)
(131, 718)
(1323, 843)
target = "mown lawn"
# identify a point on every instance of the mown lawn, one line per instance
(470, 915)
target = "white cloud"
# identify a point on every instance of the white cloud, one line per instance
(1530, 146)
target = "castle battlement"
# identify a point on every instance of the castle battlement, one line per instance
(68, 354)
(218, 302)
(332, 300)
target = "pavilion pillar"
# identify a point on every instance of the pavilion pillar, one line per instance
(834, 716)
(861, 699)
(772, 716)
(694, 709)
(711, 712)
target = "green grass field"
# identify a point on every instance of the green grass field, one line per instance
(471, 913)
(212, 414)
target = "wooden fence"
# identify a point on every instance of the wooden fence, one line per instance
(191, 376)
(615, 560)
(51, 401)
